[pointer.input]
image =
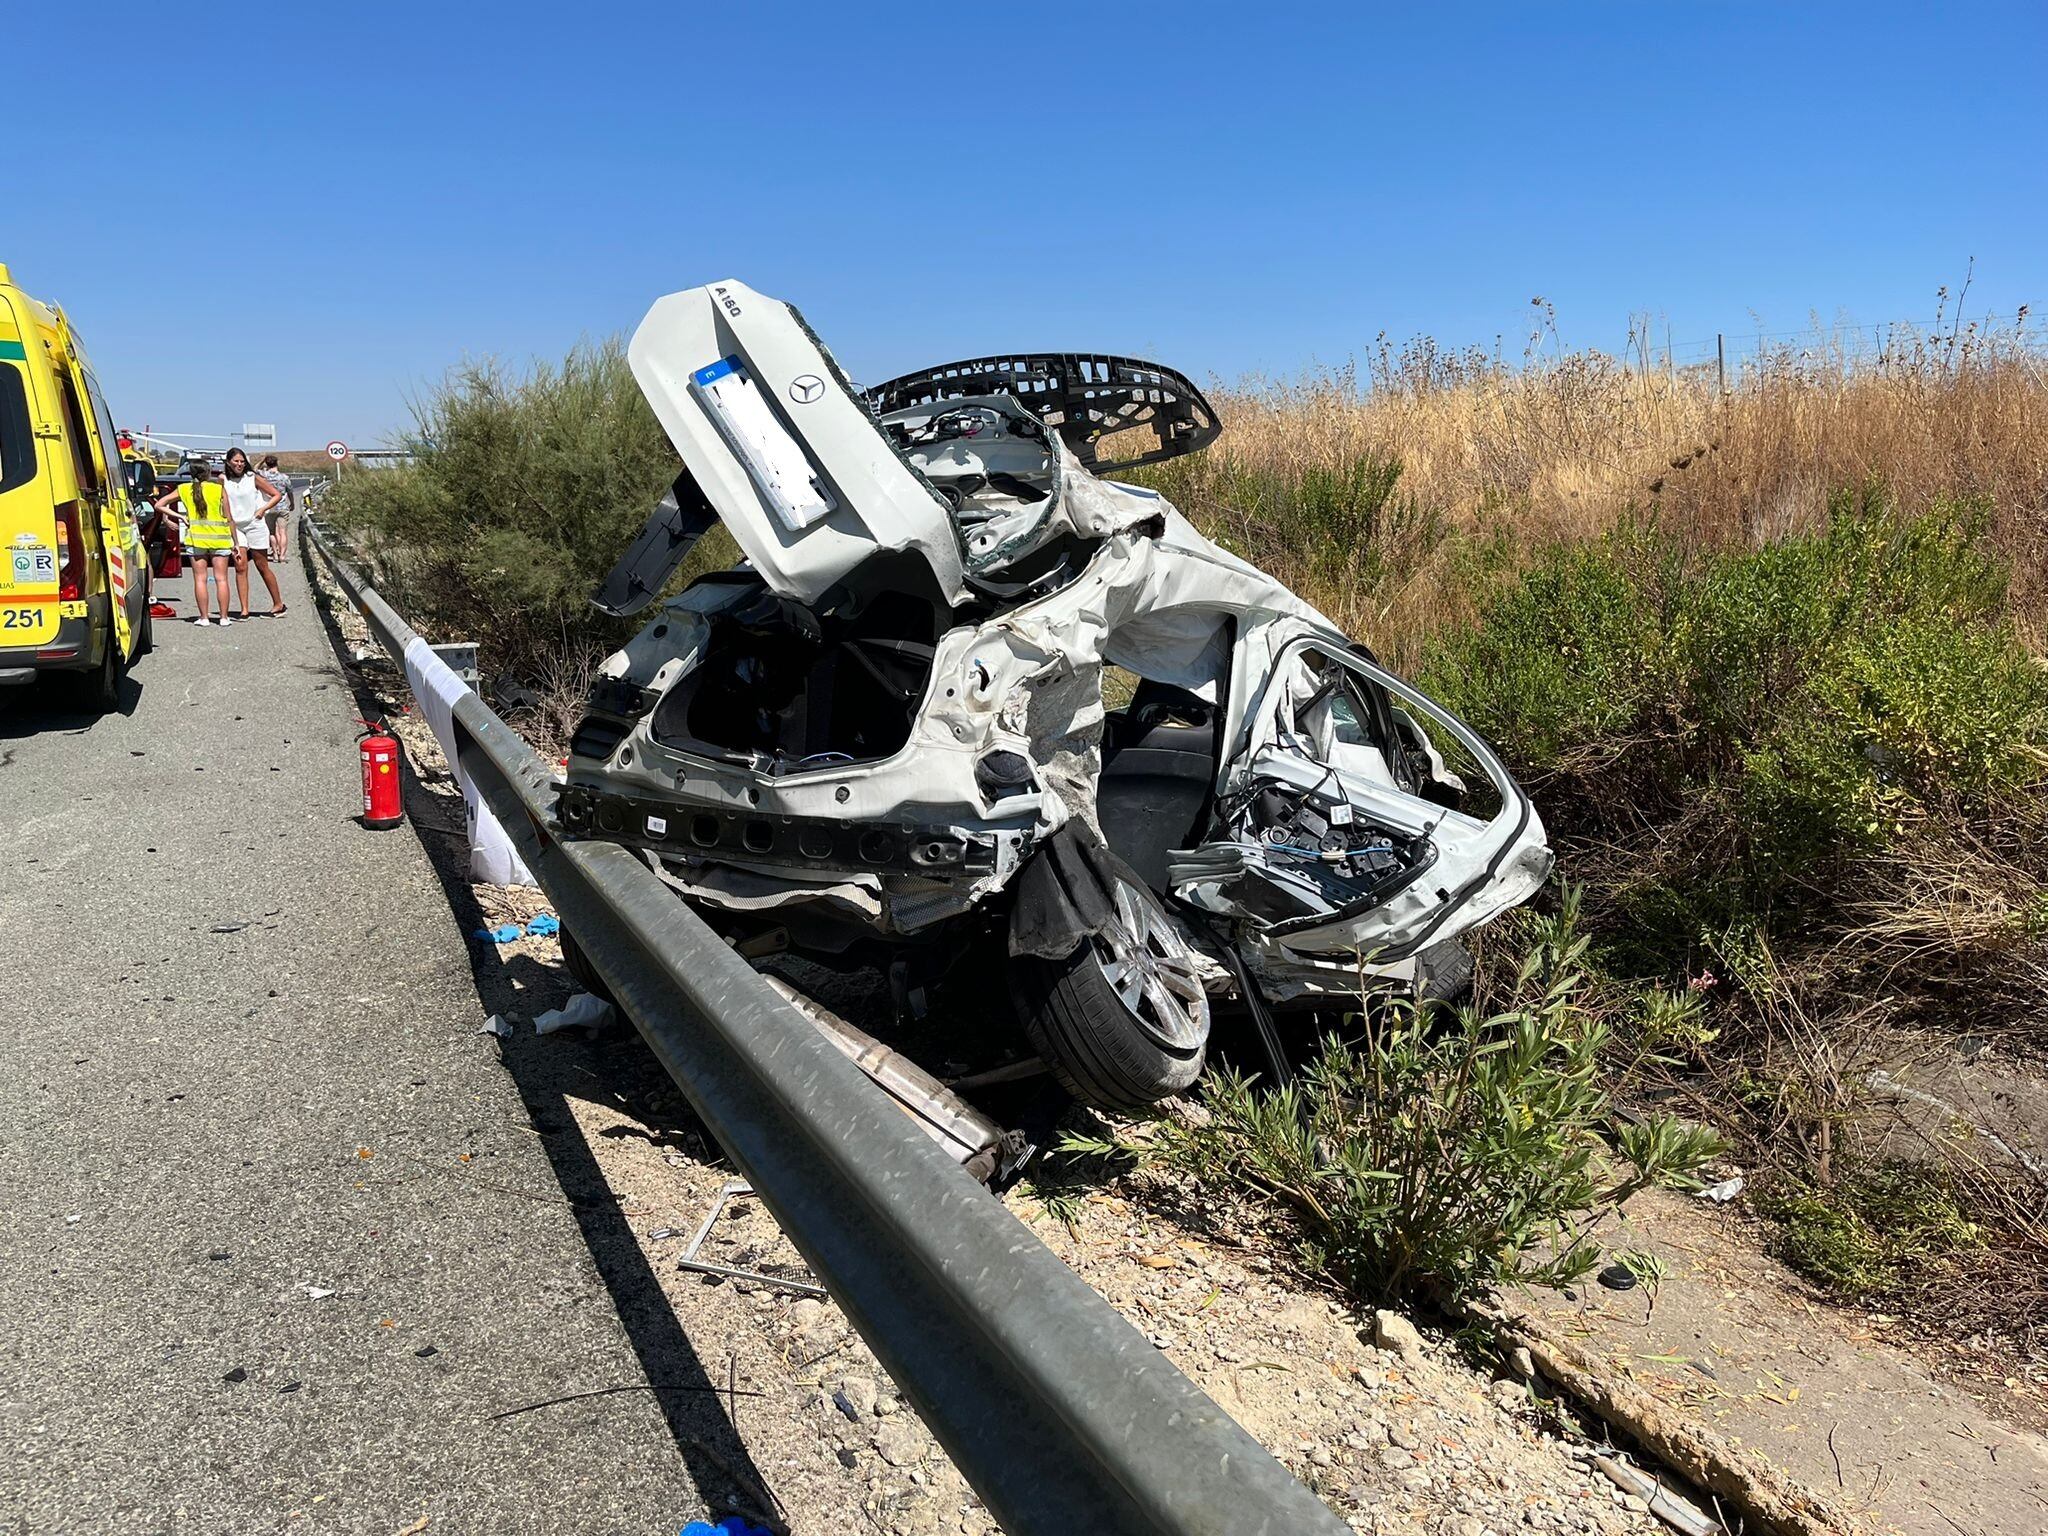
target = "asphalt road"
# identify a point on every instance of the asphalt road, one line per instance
(279, 1233)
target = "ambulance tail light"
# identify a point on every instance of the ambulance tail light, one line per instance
(70, 555)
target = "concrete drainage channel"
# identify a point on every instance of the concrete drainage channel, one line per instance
(1062, 1416)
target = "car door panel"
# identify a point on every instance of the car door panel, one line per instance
(1338, 818)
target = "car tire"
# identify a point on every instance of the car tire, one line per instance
(580, 967)
(145, 638)
(1444, 976)
(99, 691)
(1123, 1021)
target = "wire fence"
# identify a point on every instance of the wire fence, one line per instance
(1939, 342)
(1942, 344)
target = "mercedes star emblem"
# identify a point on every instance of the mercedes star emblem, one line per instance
(805, 388)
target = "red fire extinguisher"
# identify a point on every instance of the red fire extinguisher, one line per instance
(383, 805)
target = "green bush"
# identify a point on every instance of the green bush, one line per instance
(1445, 1158)
(1575, 653)
(523, 492)
(1861, 1235)
(1773, 707)
(1338, 531)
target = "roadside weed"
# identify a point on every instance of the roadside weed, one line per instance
(1421, 1155)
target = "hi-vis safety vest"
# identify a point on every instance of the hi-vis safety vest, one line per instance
(206, 520)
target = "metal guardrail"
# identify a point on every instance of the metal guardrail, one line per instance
(1059, 1412)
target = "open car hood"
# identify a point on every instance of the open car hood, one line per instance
(970, 467)
(780, 447)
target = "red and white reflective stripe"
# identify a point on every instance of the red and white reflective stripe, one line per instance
(117, 573)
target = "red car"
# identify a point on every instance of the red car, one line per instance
(161, 533)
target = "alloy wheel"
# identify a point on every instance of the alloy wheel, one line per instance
(1149, 966)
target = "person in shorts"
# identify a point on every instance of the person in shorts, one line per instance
(207, 533)
(279, 518)
(250, 498)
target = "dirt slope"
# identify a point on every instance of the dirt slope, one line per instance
(1733, 1339)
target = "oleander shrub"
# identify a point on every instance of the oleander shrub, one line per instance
(524, 490)
(1433, 1157)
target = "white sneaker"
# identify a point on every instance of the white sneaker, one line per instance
(223, 623)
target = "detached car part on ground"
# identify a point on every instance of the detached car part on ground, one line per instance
(883, 735)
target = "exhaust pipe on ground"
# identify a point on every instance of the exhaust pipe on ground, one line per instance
(970, 1138)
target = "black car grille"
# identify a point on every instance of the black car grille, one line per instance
(845, 847)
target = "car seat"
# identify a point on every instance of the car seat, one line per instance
(1158, 772)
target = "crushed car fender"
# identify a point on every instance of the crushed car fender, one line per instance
(1063, 895)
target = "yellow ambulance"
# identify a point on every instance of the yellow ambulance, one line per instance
(74, 577)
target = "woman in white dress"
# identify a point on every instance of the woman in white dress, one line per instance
(250, 497)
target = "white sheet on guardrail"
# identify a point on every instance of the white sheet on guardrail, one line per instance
(436, 687)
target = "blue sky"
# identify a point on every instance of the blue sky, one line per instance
(307, 220)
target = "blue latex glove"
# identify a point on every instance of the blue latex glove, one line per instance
(501, 935)
(544, 925)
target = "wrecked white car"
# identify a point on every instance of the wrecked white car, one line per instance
(883, 735)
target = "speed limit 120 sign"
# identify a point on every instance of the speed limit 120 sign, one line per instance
(337, 450)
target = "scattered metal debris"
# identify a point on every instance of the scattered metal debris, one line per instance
(691, 1258)
(1680, 1514)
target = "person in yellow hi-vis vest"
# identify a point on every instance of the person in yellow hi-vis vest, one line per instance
(210, 536)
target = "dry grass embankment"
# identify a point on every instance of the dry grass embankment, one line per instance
(1494, 460)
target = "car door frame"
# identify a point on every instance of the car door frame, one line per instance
(118, 519)
(1484, 849)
